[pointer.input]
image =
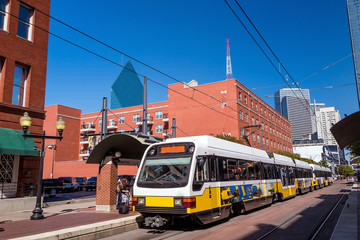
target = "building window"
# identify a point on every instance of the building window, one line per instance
(136, 129)
(262, 125)
(252, 121)
(256, 107)
(6, 167)
(112, 122)
(254, 138)
(242, 132)
(121, 130)
(252, 104)
(136, 118)
(245, 98)
(246, 118)
(19, 86)
(159, 128)
(258, 138)
(4, 9)
(257, 122)
(267, 141)
(100, 122)
(159, 115)
(241, 115)
(239, 95)
(25, 22)
(266, 128)
(121, 119)
(261, 110)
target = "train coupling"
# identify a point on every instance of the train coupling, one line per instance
(156, 221)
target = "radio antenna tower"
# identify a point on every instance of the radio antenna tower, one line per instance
(228, 61)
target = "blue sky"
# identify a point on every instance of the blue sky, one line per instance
(187, 40)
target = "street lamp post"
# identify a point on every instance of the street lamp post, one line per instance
(25, 122)
(53, 147)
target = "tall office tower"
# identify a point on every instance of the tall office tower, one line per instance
(293, 103)
(127, 90)
(325, 118)
(353, 7)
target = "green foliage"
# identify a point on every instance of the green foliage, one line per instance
(354, 149)
(324, 163)
(229, 138)
(297, 156)
(344, 170)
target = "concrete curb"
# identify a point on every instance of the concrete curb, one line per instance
(91, 231)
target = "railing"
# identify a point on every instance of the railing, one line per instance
(16, 189)
(87, 126)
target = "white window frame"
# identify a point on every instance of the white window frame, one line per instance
(29, 24)
(121, 119)
(159, 128)
(112, 122)
(159, 114)
(23, 85)
(6, 17)
(136, 118)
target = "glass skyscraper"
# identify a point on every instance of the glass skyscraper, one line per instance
(353, 7)
(127, 90)
(294, 104)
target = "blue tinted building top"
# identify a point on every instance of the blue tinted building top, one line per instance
(127, 90)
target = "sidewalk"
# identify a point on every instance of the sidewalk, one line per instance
(75, 220)
(348, 225)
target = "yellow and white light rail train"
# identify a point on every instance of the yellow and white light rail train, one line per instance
(206, 179)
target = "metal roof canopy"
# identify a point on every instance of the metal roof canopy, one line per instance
(347, 130)
(131, 147)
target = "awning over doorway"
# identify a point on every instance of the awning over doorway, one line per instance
(347, 130)
(12, 142)
(131, 147)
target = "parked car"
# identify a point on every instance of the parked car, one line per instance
(91, 184)
(70, 183)
(52, 186)
(81, 182)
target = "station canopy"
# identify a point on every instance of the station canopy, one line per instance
(347, 131)
(130, 146)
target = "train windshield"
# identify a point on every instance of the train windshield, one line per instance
(165, 172)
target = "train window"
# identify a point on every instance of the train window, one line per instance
(284, 176)
(232, 173)
(291, 175)
(201, 171)
(254, 170)
(212, 169)
(266, 171)
(242, 170)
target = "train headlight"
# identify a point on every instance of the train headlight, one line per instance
(152, 152)
(141, 201)
(177, 202)
(191, 149)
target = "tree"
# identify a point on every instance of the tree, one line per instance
(324, 163)
(344, 170)
(229, 138)
(354, 149)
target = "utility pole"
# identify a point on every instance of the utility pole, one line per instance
(144, 121)
(103, 126)
(173, 128)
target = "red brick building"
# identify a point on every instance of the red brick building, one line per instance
(225, 107)
(23, 63)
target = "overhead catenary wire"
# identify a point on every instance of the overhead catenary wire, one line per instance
(124, 54)
(317, 72)
(115, 63)
(308, 108)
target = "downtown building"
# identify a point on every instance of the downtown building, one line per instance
(294, 105)
(225, 107)
(23, 63)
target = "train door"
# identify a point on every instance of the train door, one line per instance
(215, 191)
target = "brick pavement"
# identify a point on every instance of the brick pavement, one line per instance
(18, 224)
